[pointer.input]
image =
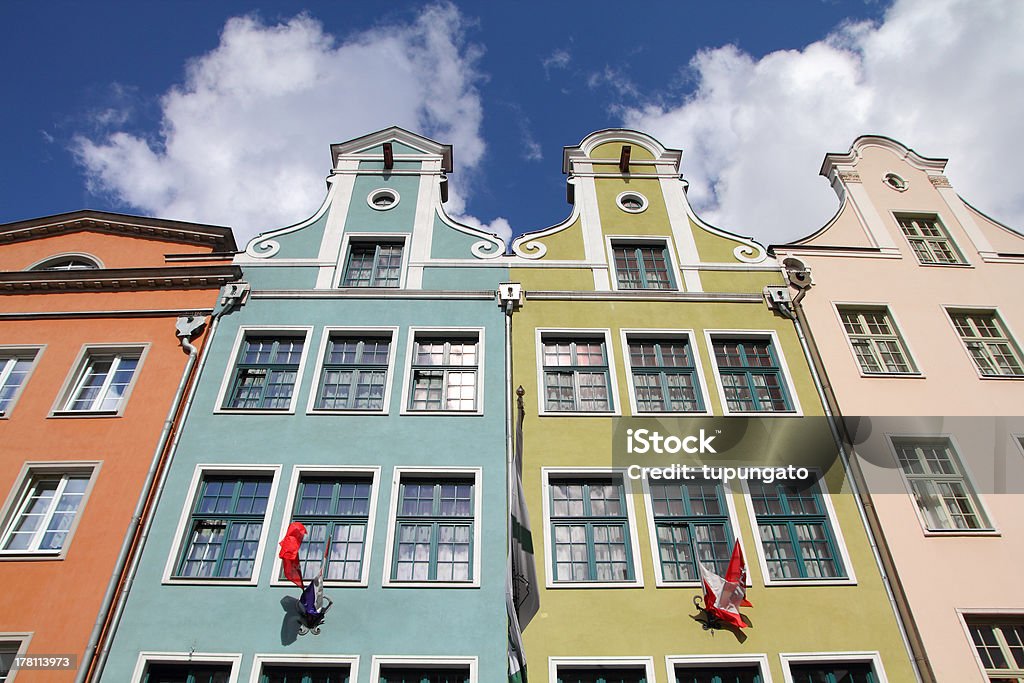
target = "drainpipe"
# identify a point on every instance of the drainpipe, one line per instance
(869, 516)
(186, 328)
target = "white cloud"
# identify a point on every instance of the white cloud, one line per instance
(941, 76)
(559, 59)
(244, 140)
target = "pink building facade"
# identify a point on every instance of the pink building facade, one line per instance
(913, 303)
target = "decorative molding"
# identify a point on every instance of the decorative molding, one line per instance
(939, 181)
(118, 279)
(527, 245)
(263, 246)
(849, 176)
(490, 247)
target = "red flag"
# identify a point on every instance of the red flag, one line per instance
(290, 553)
(724, 597)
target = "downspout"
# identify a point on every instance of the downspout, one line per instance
(187, 327)
(869, 517)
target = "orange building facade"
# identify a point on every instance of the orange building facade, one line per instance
(102, 322)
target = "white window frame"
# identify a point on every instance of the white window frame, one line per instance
(987, 614)
(305, 331)
(1011, 338)
(16, 352)
(703, 661)
(861, 657)
(180, 538)
(597, 662)
(261, 660)
(379, 661)
(443, 333)
(300, 471)
(22, 639)
(546, 474)
(652, 534)
(30, 472)
(576, 334)
(67, 256)
(373, 237)
(73, 380)
(665, 334)
(918, 215)
(345, 331)
(837, 535)
(474, 473)
(671, 261)
(916, 373)
(991, 530)
(232, 659)
(787, 376)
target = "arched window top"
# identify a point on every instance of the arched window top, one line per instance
(68, 262)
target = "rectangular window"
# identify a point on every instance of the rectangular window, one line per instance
(373, 264)
(279, 673)
(876, 342)
(102, 383)
(187, 673)
(642, 266)
(604, 674)
(664, 376)
(335, 508)
(445, 372)
(994, 353)
(44, 515)
(434, 530)
(796, 533)
(14, 370)
(844, 672)
(576, 375)
(999, 642)
(929, 240)
(691, 525)
(943, 493)
(11, 646)
(424, 674)
(751, 376)
(590, 530)
(266, 372)
(355, 373)
(225, 527)
(724, 673)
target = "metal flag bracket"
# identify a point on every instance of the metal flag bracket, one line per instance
(311, 622)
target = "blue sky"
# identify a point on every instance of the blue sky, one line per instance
(223, 112)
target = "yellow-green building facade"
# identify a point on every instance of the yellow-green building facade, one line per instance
(637, 313)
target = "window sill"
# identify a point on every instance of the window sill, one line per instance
(278, 583)
(30, 556)
(445, 413)
(575, 413)
(254, 411)
(892, 375)
(945, 265)
(64, 414)
(1002, 378)
(963, 533)
(765, 413)
(675, 413)
(325, 411)
(431, 584)
(553, 585)
(185, 581)
(771, 583)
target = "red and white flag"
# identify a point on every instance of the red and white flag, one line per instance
(723, 597)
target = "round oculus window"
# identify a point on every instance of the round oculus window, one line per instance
(631, 202)
(895, 182)
(382, 199)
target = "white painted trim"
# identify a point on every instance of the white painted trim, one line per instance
(16, 351)
(264, 246)
(528, 247)
(874, 658)
(883, 307)
(30, 471)
(643, 201)
(986, 613)
(634, 536)
(652, 535)
(339, 197)
(411, 661)
(892, 437)
(389, 191)
(180, 539)
(354, 331)
(673, 193)
(312, 660)
(298, 471)
(578, 333)
(78, 368)
(664, 241)
(22, 638)
(691, 339)
(697, 661)
(445, 333)
(949, 309)
(232, 659)
(895, 216)
(837, 534)
(773, 337)
(476, 473)
(67, 255)
(244, 331)
(372, 238)
(422, 230)
(598, 662)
